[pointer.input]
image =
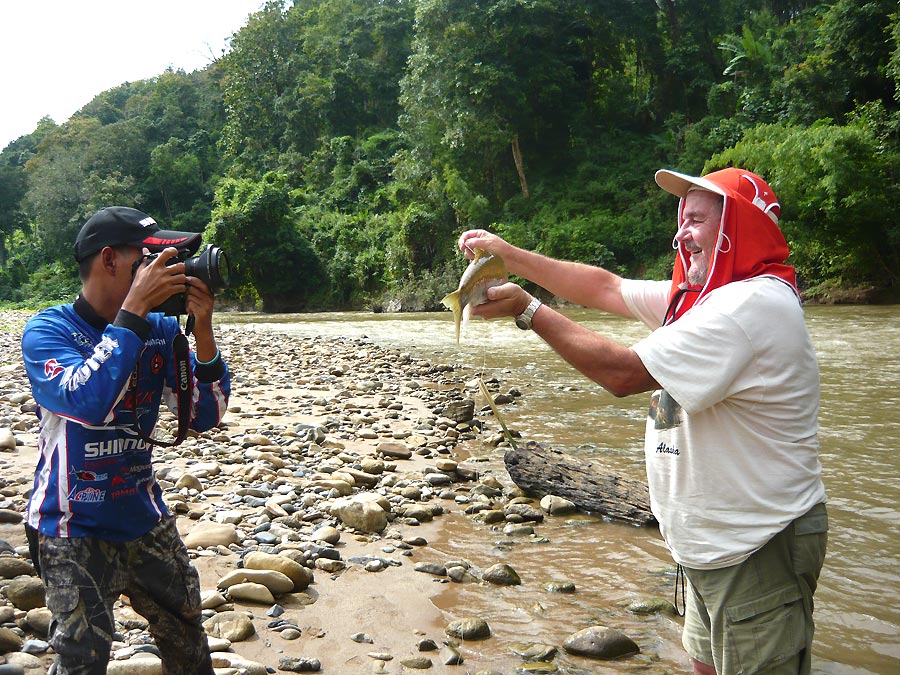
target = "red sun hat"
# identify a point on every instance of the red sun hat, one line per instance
(727, 182)
(750, 243)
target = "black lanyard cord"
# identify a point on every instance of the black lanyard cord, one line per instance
(680, 580)
(669, 316)
(183, 377)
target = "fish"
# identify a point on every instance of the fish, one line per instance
(485, 270)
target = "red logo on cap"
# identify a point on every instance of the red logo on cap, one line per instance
(156, 241)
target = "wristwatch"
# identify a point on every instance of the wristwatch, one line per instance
(523, 320)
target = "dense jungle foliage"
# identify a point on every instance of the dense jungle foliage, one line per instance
(338, 148)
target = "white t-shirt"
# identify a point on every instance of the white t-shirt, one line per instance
(731, 447)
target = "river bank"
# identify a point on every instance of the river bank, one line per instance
(339, 465)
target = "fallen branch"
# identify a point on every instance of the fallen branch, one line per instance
(540, 471)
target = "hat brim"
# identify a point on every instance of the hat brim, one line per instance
(183, 241)
(679, 183)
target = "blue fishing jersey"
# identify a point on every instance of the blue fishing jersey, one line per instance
(92, 381)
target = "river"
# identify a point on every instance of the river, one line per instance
(857, 609)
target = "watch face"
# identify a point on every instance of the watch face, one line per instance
(522, 323)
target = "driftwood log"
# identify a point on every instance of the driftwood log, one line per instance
(540, 471)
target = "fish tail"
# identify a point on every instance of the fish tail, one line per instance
(451, 302)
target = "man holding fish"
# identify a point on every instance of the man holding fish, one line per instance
(731, 442)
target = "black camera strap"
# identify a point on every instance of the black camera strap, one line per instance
(183, 377)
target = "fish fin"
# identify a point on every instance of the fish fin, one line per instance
(466, 315)
(451, 302)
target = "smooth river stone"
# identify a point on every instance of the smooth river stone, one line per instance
(275, 581)
(364, 515)
(9, 640)
(233, 626)
(26, 593)
(297, 573)
(10, 516)
(394, 450)
(7, 439)
(211, 599)
(210, 535)
(137, 665)
(501, 574)
(38, 619)
(557, 506)
(241, 665)
(13, 566)
(600, 642)
(20, 663)
(251, 592)
(469, 629)
(326, 533)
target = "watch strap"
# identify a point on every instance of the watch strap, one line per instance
(524, 319)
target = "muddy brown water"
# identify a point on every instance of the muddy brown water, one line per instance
(857, 607)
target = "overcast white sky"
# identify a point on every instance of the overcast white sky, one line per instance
(56, 55)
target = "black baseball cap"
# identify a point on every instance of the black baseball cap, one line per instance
(123, 226)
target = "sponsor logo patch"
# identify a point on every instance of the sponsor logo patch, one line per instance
(115, 446)
(52, 368)
(75, 378)
(88, 495)
(82, 340)
(89, 476)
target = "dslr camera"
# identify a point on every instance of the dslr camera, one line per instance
(210, 266)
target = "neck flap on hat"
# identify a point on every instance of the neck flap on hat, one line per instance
(750, 244)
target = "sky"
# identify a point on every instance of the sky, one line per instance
(57, 55)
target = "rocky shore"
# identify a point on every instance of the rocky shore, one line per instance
(308, 514)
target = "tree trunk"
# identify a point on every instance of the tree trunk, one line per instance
(541, 471)
(517, 157)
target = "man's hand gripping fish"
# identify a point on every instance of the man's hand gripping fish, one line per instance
(484, 271)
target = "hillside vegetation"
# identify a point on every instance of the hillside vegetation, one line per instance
(339, 147)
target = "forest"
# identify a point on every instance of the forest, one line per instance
(337, 148)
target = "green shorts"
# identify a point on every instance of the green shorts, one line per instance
(756, 617)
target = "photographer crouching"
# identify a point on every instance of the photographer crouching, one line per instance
(99, 368)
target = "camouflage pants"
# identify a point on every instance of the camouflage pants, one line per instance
(83, 577)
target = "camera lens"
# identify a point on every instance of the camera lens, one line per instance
(211, 267)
